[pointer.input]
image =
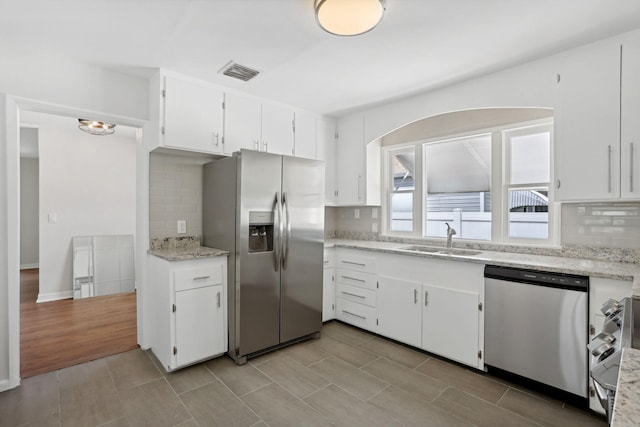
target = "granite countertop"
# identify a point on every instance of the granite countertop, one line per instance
(193, 252)
(585, 267)
(626, 410)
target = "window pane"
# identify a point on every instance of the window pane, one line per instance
(402, 211)
(459, 188)
(403, 167)
(529, 213)
(530, 161)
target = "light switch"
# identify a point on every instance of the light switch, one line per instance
(53, 217)
(182, 226)
(356, 213)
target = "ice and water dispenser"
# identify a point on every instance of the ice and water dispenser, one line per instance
(260, 231)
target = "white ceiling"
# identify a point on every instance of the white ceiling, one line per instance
(418, 46)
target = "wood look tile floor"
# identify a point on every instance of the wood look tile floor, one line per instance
(347, 377)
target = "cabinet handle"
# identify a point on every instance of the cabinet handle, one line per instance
(257, 144)
(426, 298)
(353, 278)
(415, 296)
(558, 184)
(353, 263)
(353, 314)
(265, 145)
(218, 297)
(609, 161)
(353, 295)
(326, 261)
(201, 278)
(631, 167)
(216, 137)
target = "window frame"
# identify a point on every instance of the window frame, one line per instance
(499, 169)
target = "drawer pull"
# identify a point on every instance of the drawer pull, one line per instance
(415, 296)
(353, 278)
(326, 261)
(202, 278)
(353, 295)
(353, 314)
(218, 297)
(354, 263)
(426, 298)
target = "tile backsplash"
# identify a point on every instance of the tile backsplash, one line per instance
(175, 193)
(606, 225)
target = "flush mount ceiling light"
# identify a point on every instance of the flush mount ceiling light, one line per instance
(348, 17)
(95, 127)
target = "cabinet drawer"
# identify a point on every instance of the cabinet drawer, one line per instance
(197, 277)
(357, 278)
(356, 314)
(355, 294)
(356, 262)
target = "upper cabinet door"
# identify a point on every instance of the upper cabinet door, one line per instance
(587, 138)
(630, 119)
(326, 151)
(277, 129)
(350, 161)
(193, 116)
(305, 135)
(242, 123)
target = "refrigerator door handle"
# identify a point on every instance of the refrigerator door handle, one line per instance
(286, 223)
(277, 228)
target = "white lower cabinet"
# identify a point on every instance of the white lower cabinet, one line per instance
(428, 303)
(400, 310)
(450, 324)
(329, 286)
(188, 306)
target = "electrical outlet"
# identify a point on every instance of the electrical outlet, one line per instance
(356, 213)
(53, 217)
(374, 213)
(182, 226)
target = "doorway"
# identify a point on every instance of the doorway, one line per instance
(87, 186)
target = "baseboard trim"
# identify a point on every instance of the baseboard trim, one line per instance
(29, 266)
(54, 296)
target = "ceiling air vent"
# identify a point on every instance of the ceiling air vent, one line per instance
(238, 71)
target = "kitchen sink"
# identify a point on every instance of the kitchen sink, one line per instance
(440, 251)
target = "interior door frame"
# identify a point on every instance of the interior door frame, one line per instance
(12, 106)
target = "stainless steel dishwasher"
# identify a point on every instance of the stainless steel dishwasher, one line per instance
(536, 326)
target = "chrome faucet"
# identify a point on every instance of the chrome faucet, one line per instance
(450, 232)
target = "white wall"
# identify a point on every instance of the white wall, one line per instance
(56, 79)
(29, 236)
(89, 183)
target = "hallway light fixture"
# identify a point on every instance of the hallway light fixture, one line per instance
(348, 17)
(95, 127)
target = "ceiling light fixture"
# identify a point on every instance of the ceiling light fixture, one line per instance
(348, 17)
(95, 127)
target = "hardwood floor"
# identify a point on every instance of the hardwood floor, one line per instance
(63, 333)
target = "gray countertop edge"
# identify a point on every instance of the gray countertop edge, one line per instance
(585, 267)
(182, 254)
(626, 410)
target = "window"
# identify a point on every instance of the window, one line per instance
(402, 163)
(458, 187)
(527, 183)
(450, 180)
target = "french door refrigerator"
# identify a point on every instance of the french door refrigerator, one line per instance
(267, 210)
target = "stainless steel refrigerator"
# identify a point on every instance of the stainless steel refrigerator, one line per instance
(267, 210)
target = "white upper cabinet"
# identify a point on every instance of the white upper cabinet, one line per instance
(350, 161)
(326, 151)
(587, 139)
(630, 119)
(242, 123)
(277, 129)
(192, 116)
(305, 135)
